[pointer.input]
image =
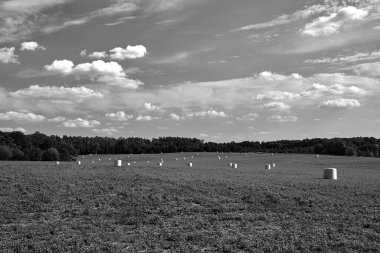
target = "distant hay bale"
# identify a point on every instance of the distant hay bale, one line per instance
(78, 162)
(234, 165)
(190, 164)
(273, 165)
(57, 162)
(218, 157)
(117, 163)
(148, 162)
(128, 164)
(268, 166)
(184, 158)
(159, 164)
(330, 173)
(316, 156)
(230, 164)
(176, 159)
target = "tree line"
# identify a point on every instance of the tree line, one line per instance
(40, 147)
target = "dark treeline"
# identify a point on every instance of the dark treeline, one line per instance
(37, 146)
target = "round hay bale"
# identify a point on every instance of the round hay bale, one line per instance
(268, 166)
(235, 166)
(273, 165)
(57, 162)
(78, 162)
(190, 164)
(230, 164)
(330, 173)
(159, 164)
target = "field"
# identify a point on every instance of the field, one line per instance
(96, 207)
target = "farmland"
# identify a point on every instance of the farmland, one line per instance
(211, 207)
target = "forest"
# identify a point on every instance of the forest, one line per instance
(40, 147)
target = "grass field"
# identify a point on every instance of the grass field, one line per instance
(95, 207)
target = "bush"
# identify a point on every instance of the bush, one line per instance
(50, 154)
(5, 153)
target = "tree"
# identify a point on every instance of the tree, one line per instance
(35, 154)
(17, 154)
(50, 155)
(5, 153)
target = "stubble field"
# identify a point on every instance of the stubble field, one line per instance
(211, 207)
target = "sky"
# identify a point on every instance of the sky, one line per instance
(217, 70)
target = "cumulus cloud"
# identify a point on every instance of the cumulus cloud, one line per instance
(208, 114)
(341, 103)
(319, 90)
(368, 69)
(151, 107)
(146, 118)
(98, 55)
(175, 117)
(119, 116)
(111, 73)
(80, 123)
(280, 118)
(130, 52)
(10, 129)
(7, 55)
(277, 95)
(269, 76)
(19, 116)
(54, 92)
(248, 117)
(31, 46)
(276, 106)
(328, 25)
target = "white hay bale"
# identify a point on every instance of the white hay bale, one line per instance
(234, 165)
(176, 159)
(134, 162)
(273, 165)
(78, 162)
(82, 156)
(148, 162)
(218, 157)
(128, 164)
(57, 162)
(184, 158)
(109, 159)
(268, 166)
(272, 154)
(192, 156)
(190, 164)
(330, 173)
(316, 156)
(230, 164)
(159, 164)
(117, 163)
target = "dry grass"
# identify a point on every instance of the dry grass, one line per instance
(207, 208)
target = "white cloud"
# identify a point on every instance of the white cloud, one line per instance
(286, 18)
(276, 106)
(280, 118)
(369, 69)
(341, 103)
(150, 107)
(277, 95)
(58, 119)
(347, 59)
(10, 129)
(74, 123)
(130, 52)
(54, 92)
(83, 53)
(31, 46)
(98, 55)
(328, 25)
(269, 76)
(109, 131)
(319, 90)
(208, 114)
(7, 55)
(11, 115)
(111, 73)
(248, 117)
(119, 116)
(146, 118)
(175, 117)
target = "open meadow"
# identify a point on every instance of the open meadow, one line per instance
(210, 207)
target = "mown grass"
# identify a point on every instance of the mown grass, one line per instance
(208, 208)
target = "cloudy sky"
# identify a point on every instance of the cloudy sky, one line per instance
(219, 70)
